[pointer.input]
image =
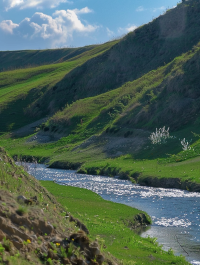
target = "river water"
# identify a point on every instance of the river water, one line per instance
(175, 213)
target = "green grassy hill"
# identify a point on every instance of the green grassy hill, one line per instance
(147, 48)
(151, 46)
(20, 89)
(11, 60)
(92, 70)
(97, 130)
(83, 121)
(93, 109)
(167, 96)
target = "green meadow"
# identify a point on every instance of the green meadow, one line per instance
(108, 222)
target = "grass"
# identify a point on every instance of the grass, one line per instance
(105, 220)
(20, 88)
(15, 181)
(114, 114)
(11, 60)
(87, 99)
(22, 210)
(186, 171)
(183, 164)
(108, 222)
(43, 90)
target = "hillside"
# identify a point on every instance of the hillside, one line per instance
(21, 88)
(36, 229)
(100, 69)
(147, 48)
(93, 109)
(168, 97)
(104, 130)
(97, 132)
(10, 60)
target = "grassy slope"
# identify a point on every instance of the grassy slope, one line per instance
(108, 220)
(17, 181)
(156, 93)
(10, 60)
(112, 219)
(20, 88)
(43, 90)
(145, 49)
(167, 96)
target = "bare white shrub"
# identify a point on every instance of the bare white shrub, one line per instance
(159, 136)
(185, 145)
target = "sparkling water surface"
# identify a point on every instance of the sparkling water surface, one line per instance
(175, 213)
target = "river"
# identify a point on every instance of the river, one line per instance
(175, 213)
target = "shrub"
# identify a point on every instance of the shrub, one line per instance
(159, 136)
(185, 145)
(21, 210)
(2, 249)
(6, 244)
(49, 261)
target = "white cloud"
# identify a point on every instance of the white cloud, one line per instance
(22, 4)
(84, 10)
(131, 28)
(126, 29)
(53, 30)
(70, 19)
(8, 26)
(140, 9)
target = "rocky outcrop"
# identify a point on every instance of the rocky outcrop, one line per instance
(139, 220)
(78, 223)
(33, 225)
(31, 233)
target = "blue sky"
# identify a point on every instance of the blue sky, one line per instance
(41, 24)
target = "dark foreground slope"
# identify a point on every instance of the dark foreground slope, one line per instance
(36, 229)
(145, 49)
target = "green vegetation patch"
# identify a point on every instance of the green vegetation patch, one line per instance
(110, 222)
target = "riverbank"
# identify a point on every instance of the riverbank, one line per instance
(155, 165)
(182, 175)
(175, 213)
(109, 222)
(112, 223)
(33, 225)
(153, 173)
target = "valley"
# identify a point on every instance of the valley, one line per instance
(96, 109)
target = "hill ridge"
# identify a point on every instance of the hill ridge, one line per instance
(139, 52)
